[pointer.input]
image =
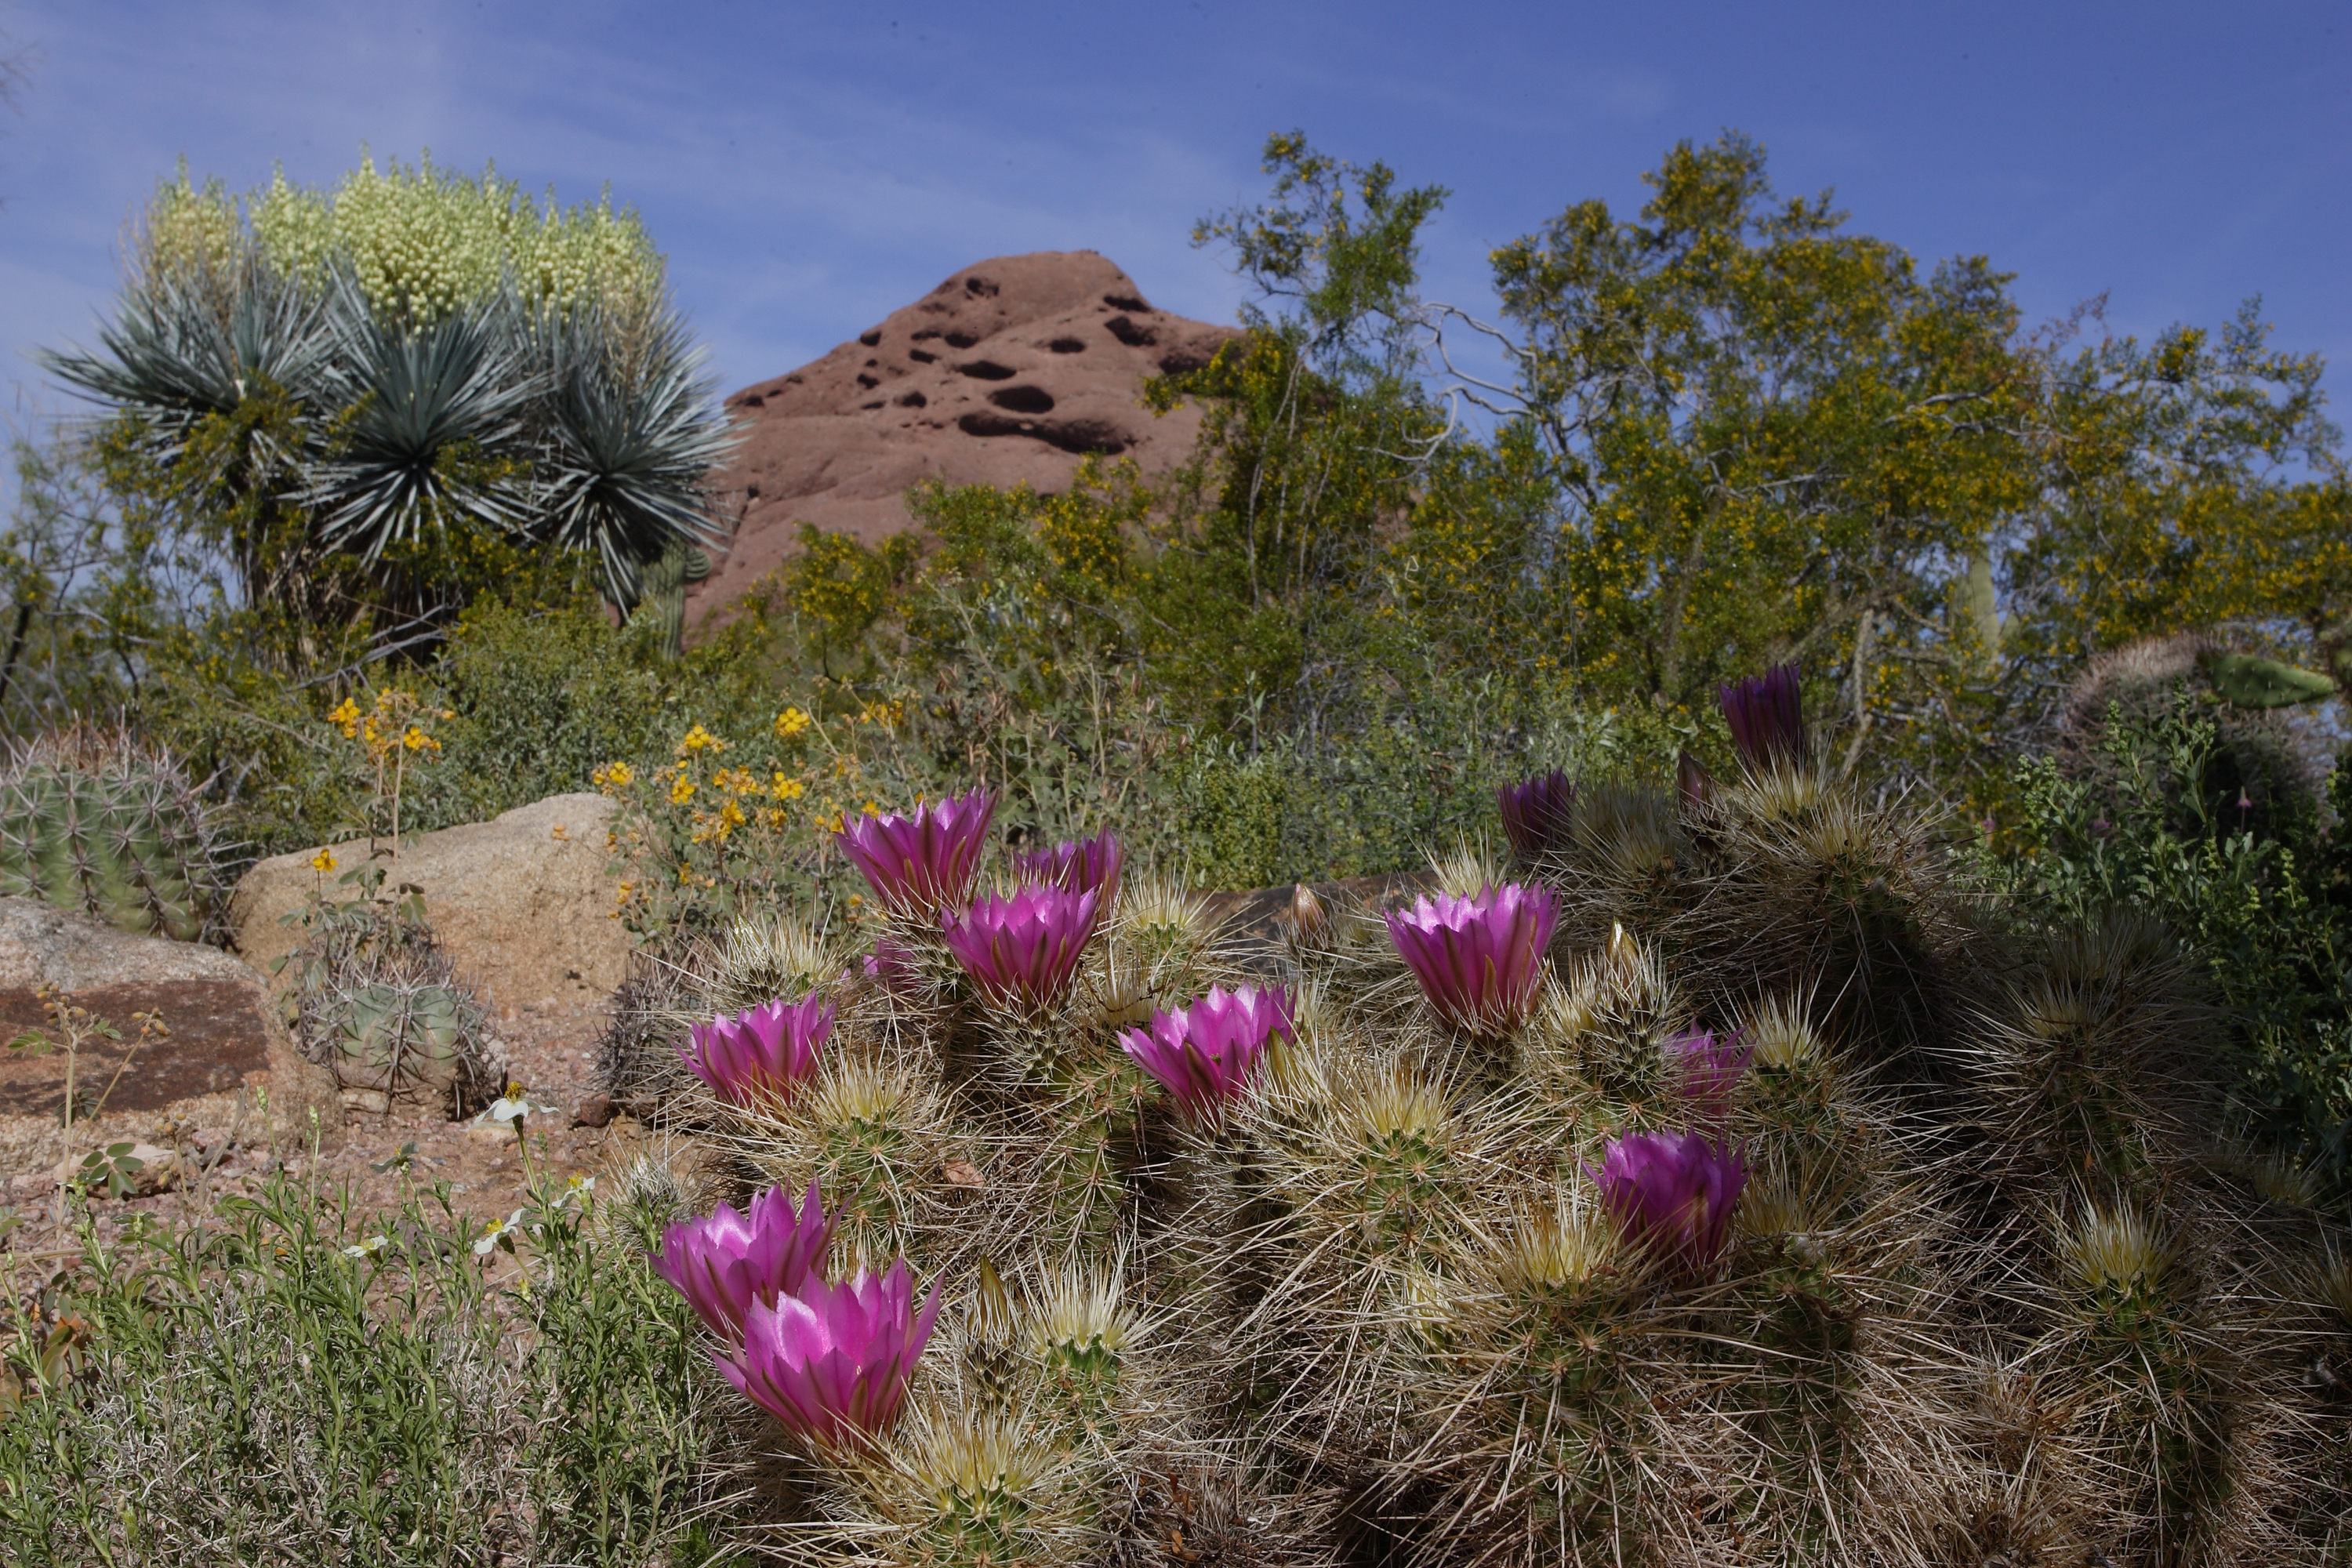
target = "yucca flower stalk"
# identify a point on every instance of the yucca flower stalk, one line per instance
(922, 861)
(1536, 812)
(1022, 950)
(1767, 716)
(1204, 1054)
(831, 1361)
(1082, 866)
(1707, 1069)
(1479, 959)
(762, 1054)
(726, 1262)
(1673, 1191)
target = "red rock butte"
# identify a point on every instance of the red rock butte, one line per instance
(1006, 373)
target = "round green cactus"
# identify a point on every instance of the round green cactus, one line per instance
(92, 822)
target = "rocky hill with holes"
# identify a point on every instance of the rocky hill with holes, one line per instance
(1004, 374)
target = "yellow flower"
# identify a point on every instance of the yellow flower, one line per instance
(731, 814)
(348, 716)
(788, 788)
(870, 809)
(681, 790)
(416, 740)
(613, 775)
(790, 723)
(701, 739)
(322, 862)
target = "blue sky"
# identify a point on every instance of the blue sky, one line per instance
(810, 168)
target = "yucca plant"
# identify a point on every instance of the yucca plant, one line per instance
(317, 386)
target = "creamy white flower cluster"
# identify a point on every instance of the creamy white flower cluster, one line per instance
(422, 241)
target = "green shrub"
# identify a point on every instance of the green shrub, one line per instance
(2164, 819)
(287, 1381)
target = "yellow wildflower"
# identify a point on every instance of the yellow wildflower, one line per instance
(348, 716)
(870, 809)
(731, 814)
(416, 740)
(786, 787)
(790, 723)
(681, 790)
(701, 739)
(322, 862)
(613, 775)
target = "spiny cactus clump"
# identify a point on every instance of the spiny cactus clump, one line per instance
(381, 1007)
(1718, 1189)
(92, 821)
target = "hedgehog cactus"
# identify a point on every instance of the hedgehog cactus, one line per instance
(1804, 1219)
(91, 821)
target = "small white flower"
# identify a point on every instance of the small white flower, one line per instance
(494, 1230)
(513, 1105)
(576, 1192)
(373, 1244)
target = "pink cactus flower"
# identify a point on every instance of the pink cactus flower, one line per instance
(1204, 1054)
(1022, 950)
(728, 1263)
(1082, 866)
(1536, 812)
(923, 861)
(764, 1053)
(831, 1361)
(1479, 959)
(1767, 716)
(1707, 1069)
(1673, 1191)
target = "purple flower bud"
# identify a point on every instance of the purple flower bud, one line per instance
(1693, 782)
(1204, 1054)
(891, 965)
(1085, 866)
(925, 861)
(1767, 716)
(1707, 1069)
(1023, 951)
(1478, 959)
(726, 1264)
(762, 1053)
(1536, 812)
(831, 1361)
(1673, 1191)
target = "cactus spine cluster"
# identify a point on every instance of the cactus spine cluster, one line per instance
(90, 821)
(1989, 1287)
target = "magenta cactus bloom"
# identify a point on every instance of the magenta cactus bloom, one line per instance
(1707, 1069)
(1022, 950)
(1479, 959)
(762, 1053)
(831, 1361)
(1536, 812)
(728, 1263)
(923, 861)
(1673, 1191)
(1767, 716)
(1083, 865)
(1204, 1054)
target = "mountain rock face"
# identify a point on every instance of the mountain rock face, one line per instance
(1006, 373)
